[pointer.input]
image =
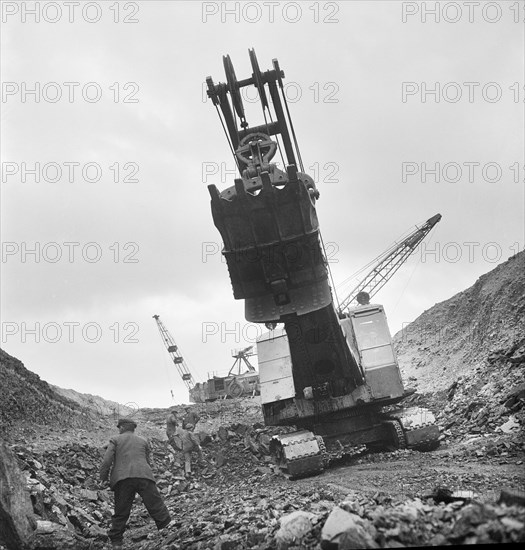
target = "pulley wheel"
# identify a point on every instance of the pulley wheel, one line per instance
(233, 86)
(257, 77)
(268, 147)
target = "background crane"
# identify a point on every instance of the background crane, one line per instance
(175, 355)
(241, 355)
(388, 263)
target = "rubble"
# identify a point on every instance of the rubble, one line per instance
(243, 501)
(484, 413)
(51, 535)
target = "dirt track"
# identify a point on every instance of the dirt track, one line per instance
(388, 479)
(406, 474)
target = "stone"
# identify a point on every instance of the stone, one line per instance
(438, 540)
(227, 543)
(96, 532)
(240, 428)
(356, 537)
(512, 524)
(55, 536)
(220, 459)
(89, 495)
(293, 527)
(469, 518)
(223, 433)
(44, 527)
(512, 425)
(340, 521)
(16, 512)
(409, 511)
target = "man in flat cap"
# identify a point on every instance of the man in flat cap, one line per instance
(190, 419)
(128, 457)
(171, 422)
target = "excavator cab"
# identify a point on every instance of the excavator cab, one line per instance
(368, 335)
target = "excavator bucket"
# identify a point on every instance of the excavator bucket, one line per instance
(271, 244)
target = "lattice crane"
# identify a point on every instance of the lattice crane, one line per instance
(387, 264)
(175, 354)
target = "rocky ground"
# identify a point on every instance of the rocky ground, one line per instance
(466, 358)
(237, 499)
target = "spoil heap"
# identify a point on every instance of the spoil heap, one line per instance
(466, 357)
(27, 401)
(99, 405)
(453, 338)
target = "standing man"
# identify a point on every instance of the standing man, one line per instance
(128, 456)
(187, 442)
(171, 422)
(190, 419)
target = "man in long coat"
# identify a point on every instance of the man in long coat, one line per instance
(129, 458)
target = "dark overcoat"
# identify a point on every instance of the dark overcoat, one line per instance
(127, 455)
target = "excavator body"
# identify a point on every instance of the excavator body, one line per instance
(233, 386)
(333, 376)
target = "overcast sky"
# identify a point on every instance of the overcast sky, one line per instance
(124, 144)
